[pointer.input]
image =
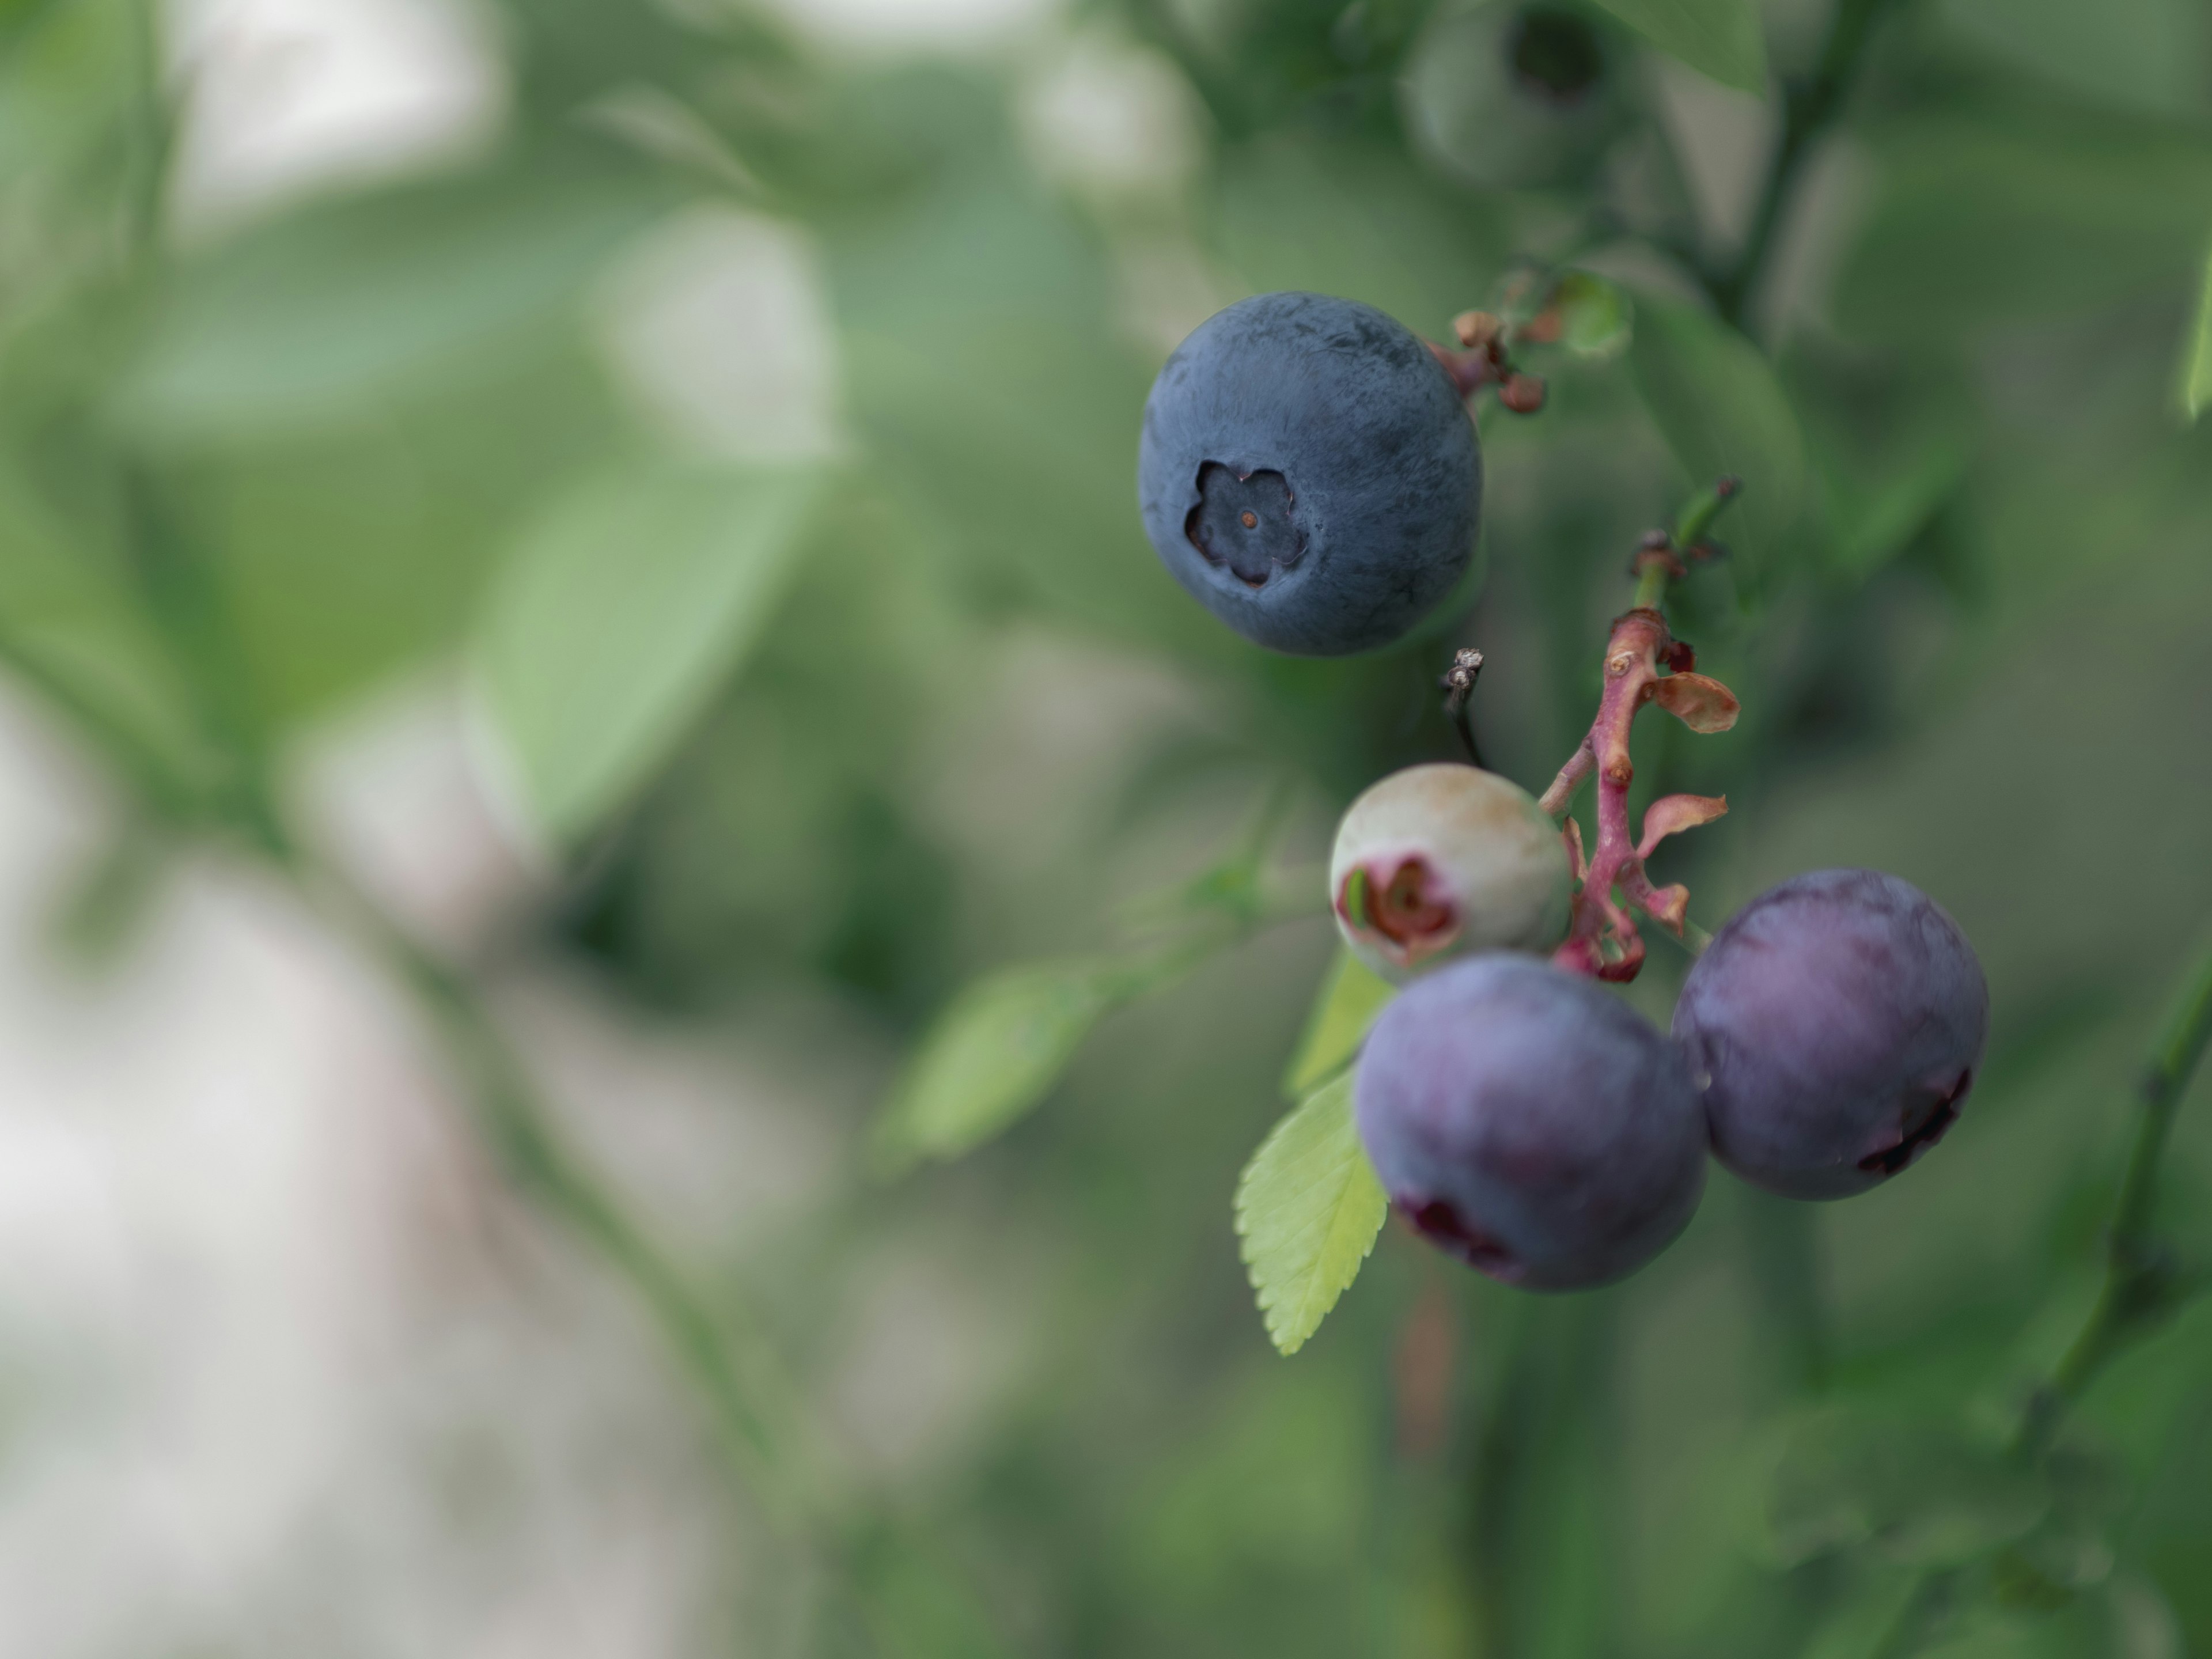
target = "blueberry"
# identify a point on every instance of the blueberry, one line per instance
(1530, 1123)
(1309, 473)
(1446, 858)
(1834, 1026)
(1517, 96)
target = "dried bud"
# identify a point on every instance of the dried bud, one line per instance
(1459, 678)
(1476, 328)
(1543, 328)
(1521, 393)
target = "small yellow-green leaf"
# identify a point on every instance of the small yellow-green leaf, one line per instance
(993, 1055)
(1719, 38)
(1308, 1211)
(1350, 997)
(2196, 354)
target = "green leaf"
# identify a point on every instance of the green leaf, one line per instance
(1596, 319)
(2141, 54)
(1308, 1211)
(2196, 355)
(994, 1053)
(1350, 998)
(328, 314)
(1719, 38)
(71, 619)
(1716, 403)
(618, 613)
(1397, 242)
(1913, 1489)
(2014, 217)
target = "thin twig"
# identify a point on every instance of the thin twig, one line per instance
(1808, 107)
(2140, 1285)
(1458, 687)
(513, 1119)
(2140, 1282)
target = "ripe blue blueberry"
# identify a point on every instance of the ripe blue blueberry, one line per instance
(1308, 471)
(1530, 1122)
(1834, 1026)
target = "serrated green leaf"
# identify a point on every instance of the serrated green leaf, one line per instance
(1308, 1210)
(1350, 997)
(1912, 1489)
(633, 595)
(1719, 38)
(2196, 354)
(1715, 402)
(994, 1054)
(1595, 318)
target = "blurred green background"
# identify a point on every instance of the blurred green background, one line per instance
(641, 498)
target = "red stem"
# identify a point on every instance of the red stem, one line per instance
(1602, 938)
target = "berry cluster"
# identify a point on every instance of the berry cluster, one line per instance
(1307, 472)
(1532, 1124)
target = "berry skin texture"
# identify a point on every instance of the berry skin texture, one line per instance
(1834, 1027)
(1530, 1123)
(1309, 473)
(1441, 858)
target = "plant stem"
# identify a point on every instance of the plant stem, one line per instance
(1650, 586)
(2139, 1284)
(2139, 1278)
(514, 1123)
(1783, 1260)
(1808, 108)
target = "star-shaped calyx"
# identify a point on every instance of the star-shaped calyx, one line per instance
(1242, 521)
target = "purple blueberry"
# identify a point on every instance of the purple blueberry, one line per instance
(1530, 1122)
(1834, 1026)
(1308, 471)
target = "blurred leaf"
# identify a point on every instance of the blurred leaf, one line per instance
(998, 402)
(916, 1605)
(1308, 1210)
(1350, 997)
(2196, 354)
(1873, 524)
(2144, 54)
(1390, 240)
(619, 613)
(1913, 1489)
(993, 1055)
(2070, 1548)
(2019, 215)
(1716, 403)
(69, 618)
(1719, 38)
(350, 553)
(1596, 319)
(105, 908)
(326, 313)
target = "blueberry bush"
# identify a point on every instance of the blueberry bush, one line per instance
(1182, 943)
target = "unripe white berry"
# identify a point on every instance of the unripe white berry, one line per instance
(1443, 858)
